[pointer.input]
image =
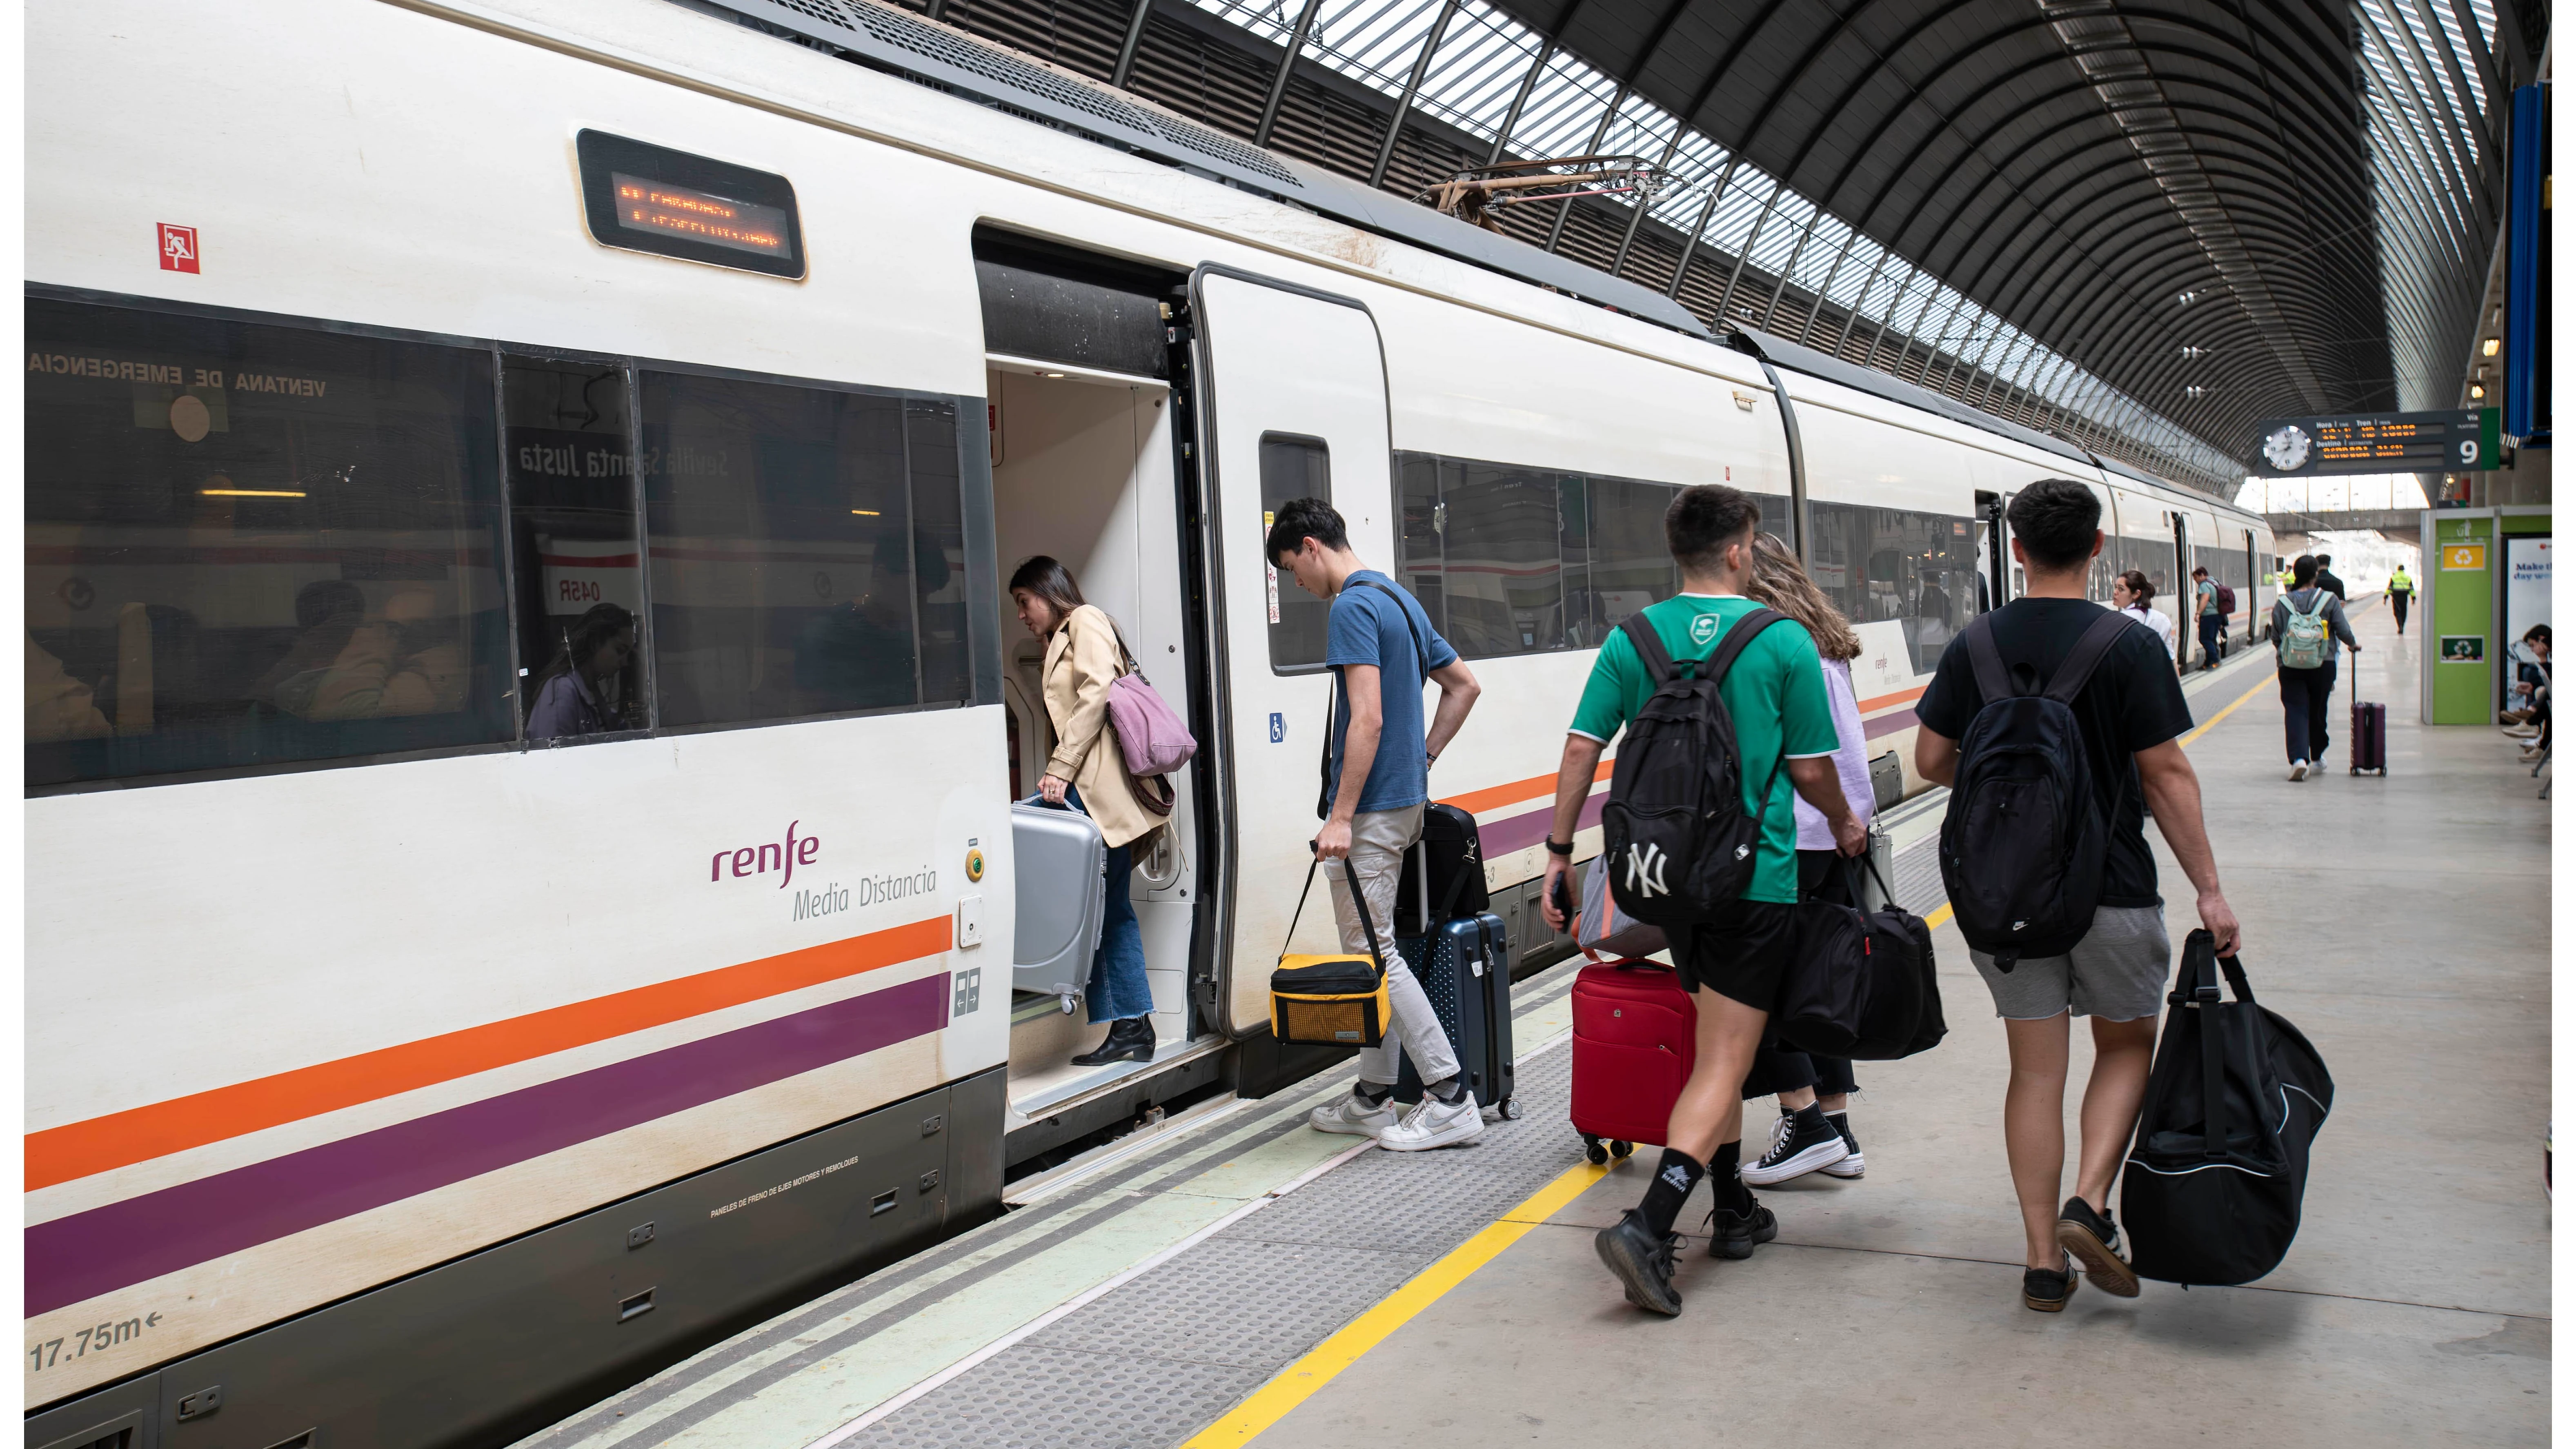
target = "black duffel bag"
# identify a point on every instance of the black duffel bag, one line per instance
(2212, 1196)
(1861, 983)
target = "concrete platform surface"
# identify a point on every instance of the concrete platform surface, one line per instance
(2403, 923)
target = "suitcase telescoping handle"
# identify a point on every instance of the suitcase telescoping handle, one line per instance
(1368, 926)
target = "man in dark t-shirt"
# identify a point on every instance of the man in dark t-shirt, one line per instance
(2132, 716)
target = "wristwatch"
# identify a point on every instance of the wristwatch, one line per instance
(1566, 849)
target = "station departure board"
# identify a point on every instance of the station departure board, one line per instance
(647, 198)
(2449, 441)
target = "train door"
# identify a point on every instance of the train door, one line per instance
(1293, 403)
(1992, 555)
(2186, 598)
(1080, 421)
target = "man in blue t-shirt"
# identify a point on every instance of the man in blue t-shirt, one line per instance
(1377, 780)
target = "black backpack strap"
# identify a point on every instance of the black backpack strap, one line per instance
(1722, 658)
(1650, 648)
(1993, 680)
(2087, 654)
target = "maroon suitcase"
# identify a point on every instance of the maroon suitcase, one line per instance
(1635, 1037)
(2369, 738)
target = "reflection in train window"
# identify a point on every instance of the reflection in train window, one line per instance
(1293, 467)
(1501, 560)
(788, 574)
(572, 532)
(252, 544)
(1885, 564)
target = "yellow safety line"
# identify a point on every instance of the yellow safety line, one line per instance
(1298, 1382)
(1933, 921)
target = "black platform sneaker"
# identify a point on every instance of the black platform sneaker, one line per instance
(1801, 1142)
(1643, 1261)
(1851, 1166)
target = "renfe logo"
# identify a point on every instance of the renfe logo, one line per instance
(761, 859)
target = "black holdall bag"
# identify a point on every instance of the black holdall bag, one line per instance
(2213, 1184)
(1447, 863)
(2023, 842)
(1674, 829)
(1861, 982)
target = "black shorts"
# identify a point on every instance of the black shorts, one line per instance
(1742, 953)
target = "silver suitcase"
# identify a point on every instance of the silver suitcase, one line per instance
(1060, 863)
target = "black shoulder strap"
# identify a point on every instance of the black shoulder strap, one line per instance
(1993, 680)
(2087, 654)
(1722, 658)
(1650, 648)
(1421, 656)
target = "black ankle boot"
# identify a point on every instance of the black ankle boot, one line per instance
(1130, 1039)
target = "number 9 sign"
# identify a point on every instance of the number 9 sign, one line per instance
(2468, 452)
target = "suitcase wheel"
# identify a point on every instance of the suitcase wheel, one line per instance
(1593, 1151)
(1623, 1149)
(1510, 1110)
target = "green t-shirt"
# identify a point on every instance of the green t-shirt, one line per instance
(1776, 693)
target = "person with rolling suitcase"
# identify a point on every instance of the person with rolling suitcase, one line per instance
(1376, 781)
(1719, 706)
(2057, 723)
(2307, 621)
(1460, 953)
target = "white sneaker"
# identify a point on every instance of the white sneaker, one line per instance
(1434, 1123)
(1353, 1116)
(2298, 769)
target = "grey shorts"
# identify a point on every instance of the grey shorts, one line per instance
(2117, 972)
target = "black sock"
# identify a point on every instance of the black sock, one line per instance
(1675, 1176)
(1724, 1185)
(1372, 1093)
(1448, 1090)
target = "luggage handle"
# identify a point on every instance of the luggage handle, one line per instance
(2201, 966)
(1359, 901)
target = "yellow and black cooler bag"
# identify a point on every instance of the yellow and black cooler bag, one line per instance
(1330, 1000)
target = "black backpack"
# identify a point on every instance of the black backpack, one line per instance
(2214, 1183)
(2023, 842)
(1678, 842)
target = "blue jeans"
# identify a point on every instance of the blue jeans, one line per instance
(1118, 987)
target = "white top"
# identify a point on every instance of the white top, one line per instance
(2155, 620)
(1851, 761)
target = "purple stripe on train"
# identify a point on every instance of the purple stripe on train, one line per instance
(1520, 832)
(111, 1247)
(1887, 724)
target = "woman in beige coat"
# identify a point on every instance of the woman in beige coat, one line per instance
(1082, 656)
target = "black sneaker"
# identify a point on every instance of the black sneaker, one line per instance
(1733, 1234)
(2045, 1290)
(1643, 1262)
(2095, 1242)
(1802, 1142)
(1851, 1166)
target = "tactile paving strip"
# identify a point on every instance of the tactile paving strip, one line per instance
(1171, 1351)
(1918, 875)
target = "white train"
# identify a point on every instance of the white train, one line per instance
(397, 1078)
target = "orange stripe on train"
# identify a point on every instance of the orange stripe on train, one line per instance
(139, 1134)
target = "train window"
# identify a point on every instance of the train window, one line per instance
(1629, 566)
(938, 549)
(1881, 564)
(572, 536)
(1293, 467)
(1505, 588)
(253, 544)
(1417, 542)
(783, 540)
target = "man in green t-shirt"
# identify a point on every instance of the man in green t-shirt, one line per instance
(1733, 963)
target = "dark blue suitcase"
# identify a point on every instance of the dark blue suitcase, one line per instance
(1465, 968)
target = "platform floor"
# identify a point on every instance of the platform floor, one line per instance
(1243, 1277)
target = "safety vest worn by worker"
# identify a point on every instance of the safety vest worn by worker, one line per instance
(2398, 583)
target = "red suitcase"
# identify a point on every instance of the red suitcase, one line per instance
(2369, 738)
(1635, 1034)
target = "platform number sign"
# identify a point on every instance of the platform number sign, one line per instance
(178, 247)
(2451, 440)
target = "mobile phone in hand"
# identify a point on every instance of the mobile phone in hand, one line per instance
(1563, 895)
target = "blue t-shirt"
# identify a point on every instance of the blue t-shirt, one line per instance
(1369, 627)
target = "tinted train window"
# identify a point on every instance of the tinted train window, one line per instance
(1293, 467)
(938, 549)
(1630, 567)
(788, 568)
(1501, 565)
(251, 544)
(1417, 541)
(1918, 570)
(572, 528)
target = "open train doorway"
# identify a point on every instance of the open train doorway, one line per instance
(1085, 470)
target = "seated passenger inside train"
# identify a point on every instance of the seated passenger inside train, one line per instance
(576, 693)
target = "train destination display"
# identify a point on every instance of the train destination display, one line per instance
(2448, 441)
